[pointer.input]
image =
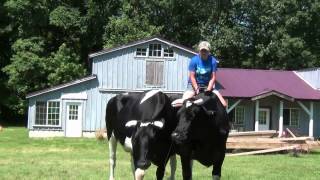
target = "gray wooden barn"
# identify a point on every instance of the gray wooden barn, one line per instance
(77, 108)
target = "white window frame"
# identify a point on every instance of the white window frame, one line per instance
(47, 125)
(142, 47)
(168, 48)
(163, 48)
(290, 114)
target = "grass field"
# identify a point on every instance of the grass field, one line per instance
(81, 158)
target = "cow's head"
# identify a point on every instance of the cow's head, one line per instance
(202, 109)
(142, 140)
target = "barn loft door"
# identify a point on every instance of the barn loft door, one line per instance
(154, 73)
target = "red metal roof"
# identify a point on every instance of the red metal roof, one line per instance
(248, 83)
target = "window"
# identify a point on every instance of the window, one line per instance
(154, 73)
(168, 52)
(53, 112)
(73, 112)
(141, 52)
(155, 50)
(48, 113)
(239, 116)
(291, 117)
(262, 117)
(41, 113)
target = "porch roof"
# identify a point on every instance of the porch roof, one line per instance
(250, 83)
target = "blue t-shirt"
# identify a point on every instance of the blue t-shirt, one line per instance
(203, 69)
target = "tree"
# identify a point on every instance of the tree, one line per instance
(27, 71)
(266, 34)
(64, 66)
(121, 30)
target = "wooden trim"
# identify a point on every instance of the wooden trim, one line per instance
(233, 106)
(139, 42)
(265, 151)
(270, 93)
(61, 86)
(102, 90)
(304, 107)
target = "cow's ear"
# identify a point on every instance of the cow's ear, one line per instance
(131, 123)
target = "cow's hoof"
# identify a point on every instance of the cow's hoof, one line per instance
(216, 178)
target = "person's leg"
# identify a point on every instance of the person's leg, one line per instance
(188, 94)
(222, 100)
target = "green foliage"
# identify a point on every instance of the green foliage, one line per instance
(66, 18)
(267, 34)
(30, 70)
(64, 66)
(121, 30)
(27, 69)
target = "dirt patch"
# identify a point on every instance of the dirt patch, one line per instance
(100, 134)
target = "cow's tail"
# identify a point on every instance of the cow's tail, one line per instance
(110, 116)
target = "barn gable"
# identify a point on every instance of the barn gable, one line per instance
(147, 64)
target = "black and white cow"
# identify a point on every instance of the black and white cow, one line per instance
(201, 133)
(143, 124)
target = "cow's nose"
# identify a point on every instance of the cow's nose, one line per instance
(176, 137)
(173, 135)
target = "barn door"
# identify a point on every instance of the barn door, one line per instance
(74, 119)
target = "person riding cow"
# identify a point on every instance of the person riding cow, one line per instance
(201, 133)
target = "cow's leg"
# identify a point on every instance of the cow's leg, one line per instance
(139, 174)
(173, 166)
(216, 172)
(112, 155)
(218, 161)
(186, 167)
(160, 172)
(132, 166)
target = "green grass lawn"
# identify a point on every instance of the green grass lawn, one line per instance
(81, 158)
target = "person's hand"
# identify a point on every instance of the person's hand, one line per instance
(197, 91)
(207, 92)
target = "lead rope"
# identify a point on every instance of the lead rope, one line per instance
(167, 157)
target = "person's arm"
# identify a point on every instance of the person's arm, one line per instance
(212, 81)
(213, 74)
(192, 76)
